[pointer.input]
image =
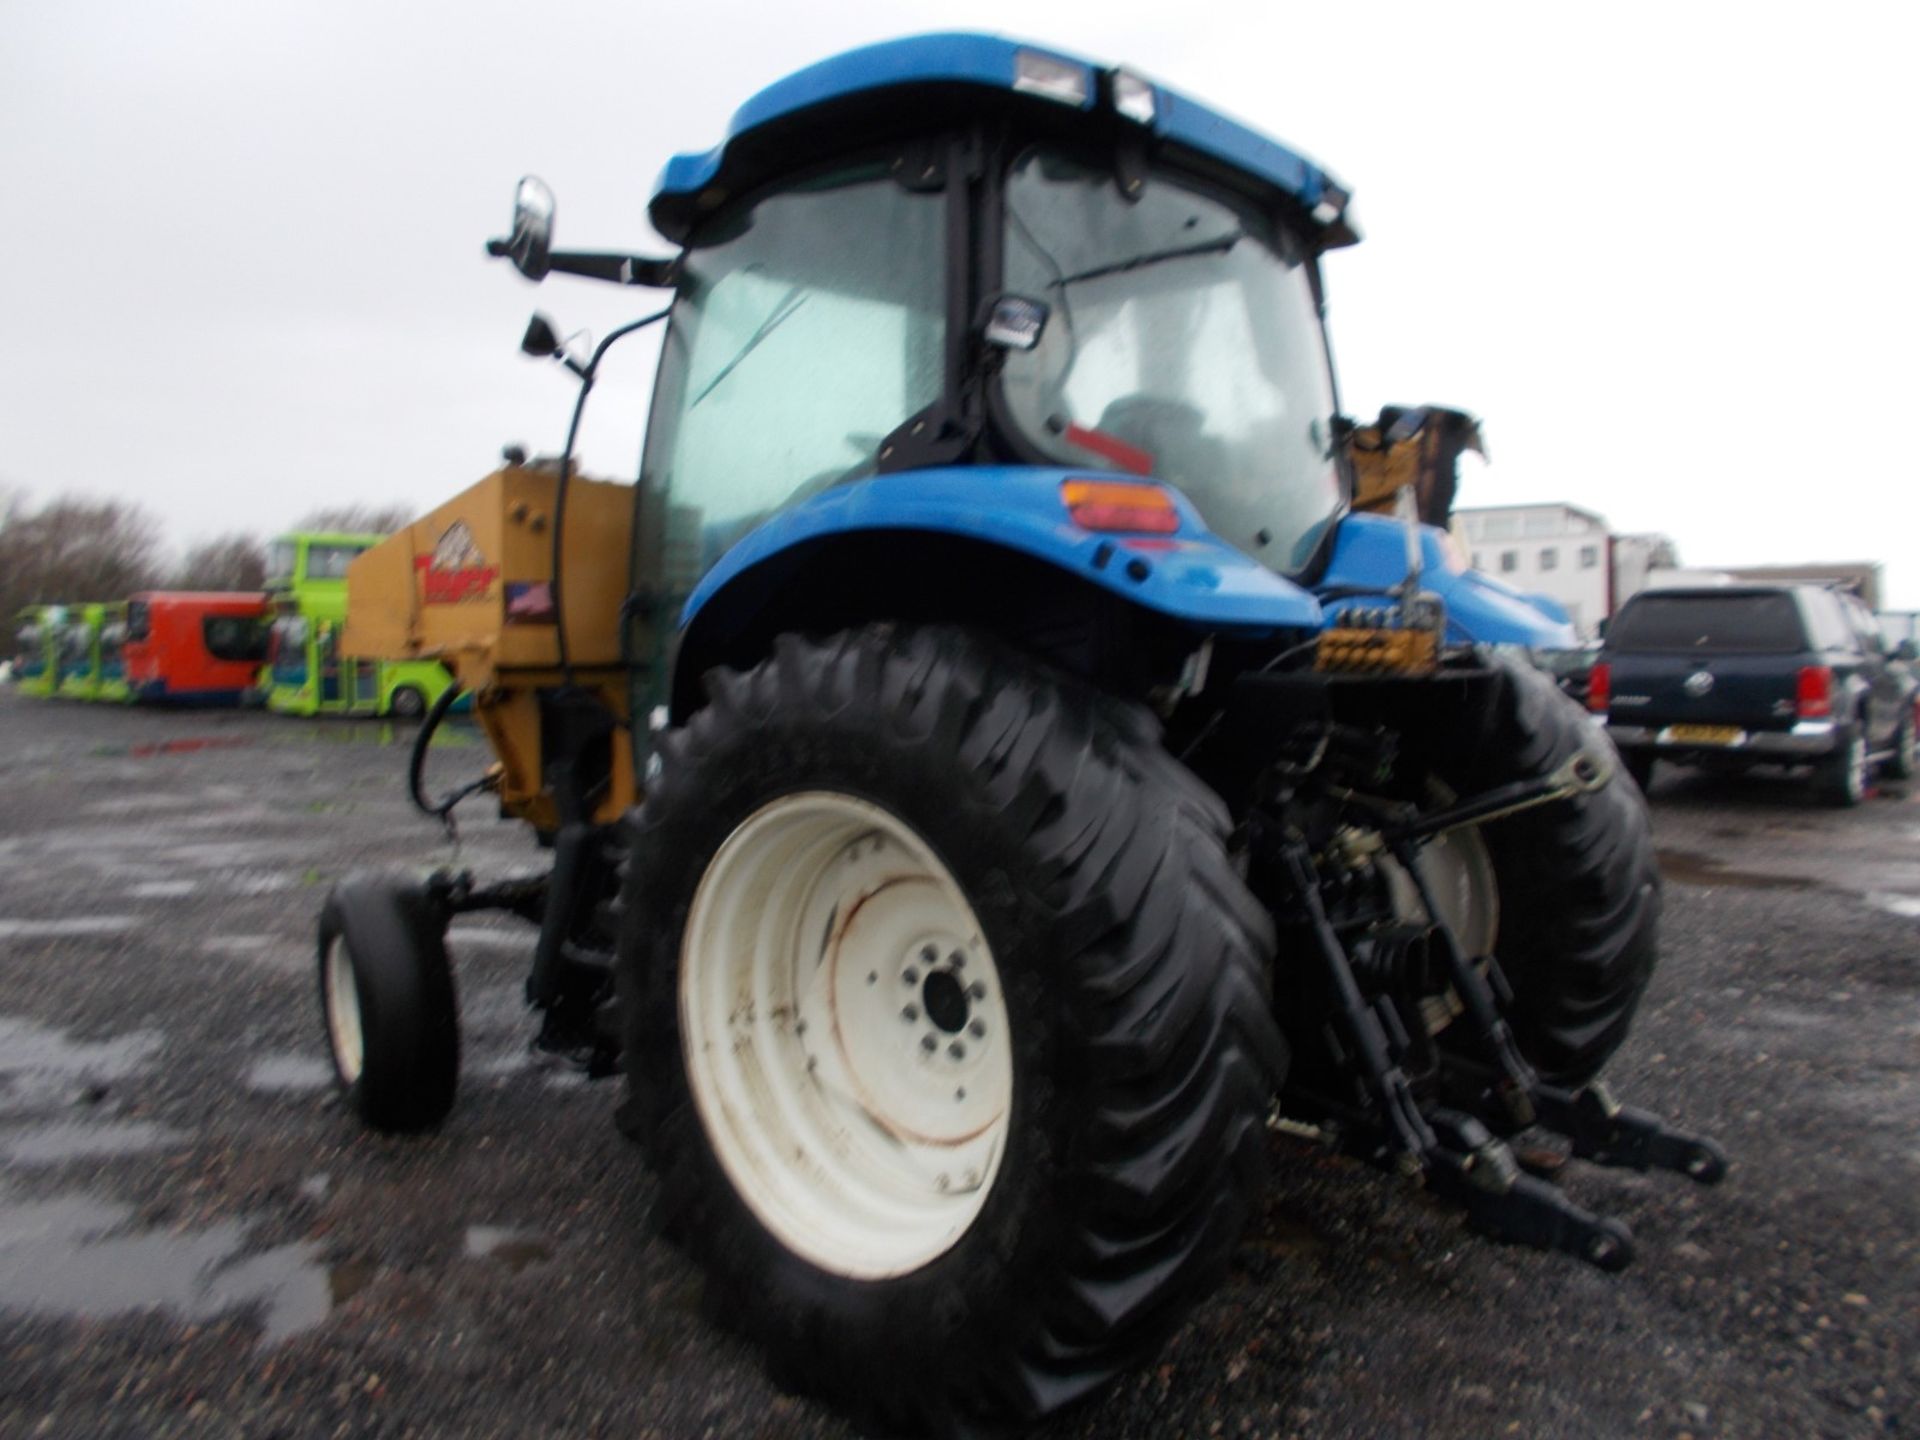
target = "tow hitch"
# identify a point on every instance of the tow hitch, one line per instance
(1451, 1132)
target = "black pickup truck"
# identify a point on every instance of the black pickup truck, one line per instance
(1736, 676)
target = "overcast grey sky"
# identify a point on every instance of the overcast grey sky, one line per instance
(1665, 250)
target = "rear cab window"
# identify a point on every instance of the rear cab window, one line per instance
(1749, 623)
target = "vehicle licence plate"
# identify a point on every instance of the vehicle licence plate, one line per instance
(1702, 735)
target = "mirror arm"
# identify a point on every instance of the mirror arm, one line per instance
(618, 269)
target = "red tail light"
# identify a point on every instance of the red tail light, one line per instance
(1600, 687)
(1814, 693)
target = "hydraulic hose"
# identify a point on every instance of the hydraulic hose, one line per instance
(417, 763)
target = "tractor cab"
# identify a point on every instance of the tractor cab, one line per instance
(950, 306)
(1009, 258)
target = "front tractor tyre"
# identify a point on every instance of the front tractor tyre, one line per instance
(387, 1000)
(949, 1019)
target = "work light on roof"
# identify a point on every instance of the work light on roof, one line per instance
(1331, 205)
(1038, 73)
(1133, 97)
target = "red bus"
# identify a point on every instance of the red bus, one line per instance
(195, 648)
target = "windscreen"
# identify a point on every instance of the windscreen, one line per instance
(28, 648)
(329, 562)
(280, 561)
(1758, 624)
(288, 649)
(805, 330)
(1184, 342)
(234, 637)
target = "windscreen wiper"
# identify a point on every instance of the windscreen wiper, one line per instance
(781, 313)
(1217, 246)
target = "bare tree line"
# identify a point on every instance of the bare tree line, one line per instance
(70, 550)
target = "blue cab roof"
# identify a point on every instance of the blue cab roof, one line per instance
(1010, 67)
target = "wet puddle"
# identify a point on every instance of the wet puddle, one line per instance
(164, 889)
(1685, 867)
(452, 735)
(66, 1140)
(147, 749)
(289, 1073)
(75, 1257)
(515, 1249)
(41, 1068)
(60, 929)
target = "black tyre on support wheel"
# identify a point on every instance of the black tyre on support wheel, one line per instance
(1577, 903)
(949, 1027)
(386, 996)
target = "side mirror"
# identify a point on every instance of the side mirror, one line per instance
(532, 238)
(1015, 322)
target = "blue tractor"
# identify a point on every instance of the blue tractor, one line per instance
(1046, 787)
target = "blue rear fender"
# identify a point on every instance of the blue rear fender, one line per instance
(1189, 575)
(1370, 558)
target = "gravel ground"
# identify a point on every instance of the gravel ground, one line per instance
(196, 1240)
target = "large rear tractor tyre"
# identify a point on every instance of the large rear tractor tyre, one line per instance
(386, 997)
(950, 1034)
(1577, 906)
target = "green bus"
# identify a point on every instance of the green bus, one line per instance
(36, 648)
(91, 663)
(305, 673)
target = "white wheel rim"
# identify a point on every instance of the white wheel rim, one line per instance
(343, 1012)
(845, 1035)
(1857, 768)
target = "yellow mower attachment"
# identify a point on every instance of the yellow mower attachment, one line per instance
(471, 584)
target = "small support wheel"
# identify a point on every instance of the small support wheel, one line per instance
(386, 997)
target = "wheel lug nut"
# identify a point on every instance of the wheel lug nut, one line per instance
(929, 1044)
(928, 954)
(977, 990)
(909, 976)
(957, 960)
(942, 1181)
(977, 1029)
(910, 1014)
(957, 1050)
(961, 1093)
(873, 977)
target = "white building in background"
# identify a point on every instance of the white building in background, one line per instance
(1557, 550)
(1565, 552)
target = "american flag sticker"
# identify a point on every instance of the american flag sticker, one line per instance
(529, 602)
